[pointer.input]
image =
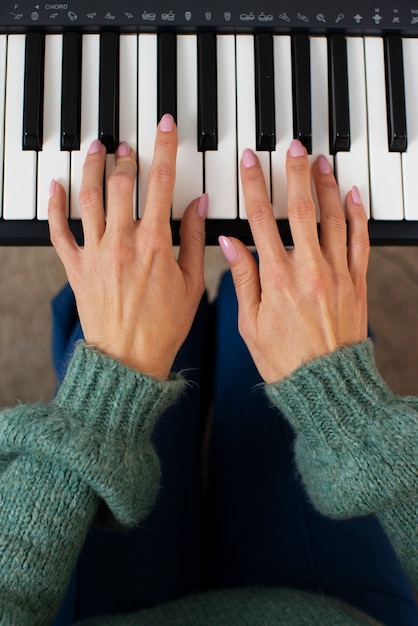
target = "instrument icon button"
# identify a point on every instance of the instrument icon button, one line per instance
(72, 16)
(303, 18)
(339, 18)
(357, 18)
(146, 16)
(284, 17)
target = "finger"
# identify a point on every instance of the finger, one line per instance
(120, 190)
(91, 193)
(300, 205)
(258, 206)
(161, 178)
(358, 237)
(246, 279)
(192, 243)
(333, 224)
(60, 234)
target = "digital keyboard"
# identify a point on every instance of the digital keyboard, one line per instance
(342, 77)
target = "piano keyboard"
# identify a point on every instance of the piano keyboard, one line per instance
(351, 97)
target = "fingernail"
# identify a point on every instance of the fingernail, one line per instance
(123, 150)
(323, 164)
(248, 158)
(167, 123)
(95, 147)
(203, 206)
(296, 149)
(228, 248)
(52, 188)
(355, 195)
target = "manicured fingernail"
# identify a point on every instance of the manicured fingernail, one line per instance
(52, 188)
(203, 206)
(167, 123)
(228, 248)
(95, 147)
(323, 164)
(248, 158)
(355, 195)
(296, 149)
(123, 150)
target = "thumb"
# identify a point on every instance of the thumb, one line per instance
(245, 275)
(192, 242)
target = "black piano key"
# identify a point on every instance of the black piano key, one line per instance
(71, 91)
(33, 114)
(301, 82)
(339, 112)
(395, 94)
(167, 75)
(264, 92)
(109, 91)
(207, 92)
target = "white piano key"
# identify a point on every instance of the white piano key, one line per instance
(410, 157)
(246, 111)
(19, 165)
(147, 111)
(386, 193)
(189, 180)
(221, 165)
(89, 115)
(319, 101)
(3, 53)
(352, 168)
(284, 122)
(52, 162)
(128, 103)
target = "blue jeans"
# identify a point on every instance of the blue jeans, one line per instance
(249, 522)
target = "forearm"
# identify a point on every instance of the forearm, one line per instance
(45, 512)
(356, 443)
(88, 453)
(401, 526)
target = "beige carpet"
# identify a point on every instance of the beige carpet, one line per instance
(30, 276)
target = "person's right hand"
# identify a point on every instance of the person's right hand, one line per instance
(302, 304)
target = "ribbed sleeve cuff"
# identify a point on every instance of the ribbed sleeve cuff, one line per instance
(99, 426)
(356, 442)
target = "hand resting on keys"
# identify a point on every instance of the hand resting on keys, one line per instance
(135, 301)
(301, 304)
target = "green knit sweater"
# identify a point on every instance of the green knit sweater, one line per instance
(88, 455)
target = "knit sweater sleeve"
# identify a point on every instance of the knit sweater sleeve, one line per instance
(356, 444)
(87, 454)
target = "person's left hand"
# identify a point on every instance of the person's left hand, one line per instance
(135, 301)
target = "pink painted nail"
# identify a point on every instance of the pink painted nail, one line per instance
(296, 149)
(52, 188)
(323, 164)
(123, 150)
(95, 147)
(355, 195)
(228, 248)
(203, 206)
(248, 158)
(167, 123)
